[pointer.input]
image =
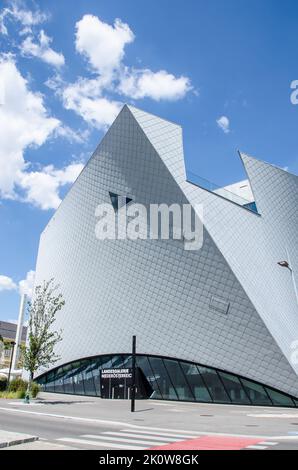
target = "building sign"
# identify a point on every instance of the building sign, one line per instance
(117, 383)
(116, 373)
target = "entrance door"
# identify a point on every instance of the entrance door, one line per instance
(118, 391)
(117, 383)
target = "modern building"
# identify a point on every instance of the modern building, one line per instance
(218, 324)
(8, 332)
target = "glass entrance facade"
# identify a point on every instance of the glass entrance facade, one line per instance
(170, 379)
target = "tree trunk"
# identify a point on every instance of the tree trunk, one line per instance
(31, 375)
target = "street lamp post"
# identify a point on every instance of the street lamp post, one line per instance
(287, 264)
(11, 357)
(133, 386)
(18, 339)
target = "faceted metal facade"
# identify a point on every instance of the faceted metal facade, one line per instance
(169, 297)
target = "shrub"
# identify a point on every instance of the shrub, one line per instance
(20, 394)
(18, 388)
(34, 389)
(13, 395)
(3, 383)
(18, 385)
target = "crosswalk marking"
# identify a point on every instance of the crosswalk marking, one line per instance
(155, 433)
(142, 436)
(140, 439)
(256, 447)
(267, 443)
(99, 444)
(121, 439)
(126, 439)
(167, 430)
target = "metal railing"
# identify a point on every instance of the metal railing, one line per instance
(220, 191)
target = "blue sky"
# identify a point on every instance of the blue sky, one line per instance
(220, 68)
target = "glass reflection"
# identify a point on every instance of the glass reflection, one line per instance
(214, 384)
(234, 388)
(193, 376)
(170, 379)
(182, 388)
(256, 393)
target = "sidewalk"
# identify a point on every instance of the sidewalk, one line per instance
(8, 439)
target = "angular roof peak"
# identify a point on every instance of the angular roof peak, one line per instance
(165, 137)
(142, 115)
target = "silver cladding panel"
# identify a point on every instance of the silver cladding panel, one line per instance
(156, 289)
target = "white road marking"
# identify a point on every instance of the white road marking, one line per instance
(120, 439)
(95, 420)
(256, 447)
(275, 415)
(22, 403)
(142, 436)
(167, 434)
(268, 443)
(163, 404)
(149, 428)
(99, 444)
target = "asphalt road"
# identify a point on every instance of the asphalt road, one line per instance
(92, 423)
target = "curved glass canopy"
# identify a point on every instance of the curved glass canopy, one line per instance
(166, 379)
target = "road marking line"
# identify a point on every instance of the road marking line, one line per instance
(197, 433)
(120, 439)
(256, 447)
(144, 436)
(163, 404)
(169, 434)
(135, 426)
(99, 444)
(268, 443)
(167, 430)
(94, 420)
(277, 415)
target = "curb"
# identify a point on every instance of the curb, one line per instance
(16, 441)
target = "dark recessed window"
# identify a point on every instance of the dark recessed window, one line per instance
(118, 201)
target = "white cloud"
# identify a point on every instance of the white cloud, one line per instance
(156, 85)
(26, 18)
(42, 50)
(42, 187)
(224, 124)
(77, 136)
(6, 283)
(84, 97)
(24, 122)
(104, 47)
(26, 285)
(101, 43)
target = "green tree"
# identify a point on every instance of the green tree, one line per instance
(42, 337)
